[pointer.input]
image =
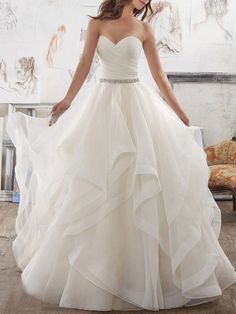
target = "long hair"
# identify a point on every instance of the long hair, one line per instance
(112, 9)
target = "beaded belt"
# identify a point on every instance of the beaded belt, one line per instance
(133, 80)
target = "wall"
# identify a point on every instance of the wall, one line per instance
(211, 106)
(187, 36)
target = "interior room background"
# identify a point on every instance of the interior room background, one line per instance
(41, 42)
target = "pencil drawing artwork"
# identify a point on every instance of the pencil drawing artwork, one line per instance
(53, 2)
(3, 72)
(26, 79)
(25, 83)
(167, 26)
(211, 27)
(55, 44)
(82, 34)
(8, 20)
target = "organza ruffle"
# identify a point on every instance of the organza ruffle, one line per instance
(115, 210)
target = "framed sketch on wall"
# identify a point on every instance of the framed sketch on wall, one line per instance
(43, 41)
(195, 35)
(19, 63)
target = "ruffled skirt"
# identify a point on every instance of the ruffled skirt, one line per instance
(115, 210)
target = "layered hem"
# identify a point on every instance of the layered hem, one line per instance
(115, 199)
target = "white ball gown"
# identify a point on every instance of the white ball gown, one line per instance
(115, 210)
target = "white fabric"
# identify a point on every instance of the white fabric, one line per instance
(115, 210)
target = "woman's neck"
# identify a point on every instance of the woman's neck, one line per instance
(127, 12)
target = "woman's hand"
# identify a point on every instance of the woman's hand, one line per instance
(58, 109)
(60, 106)
(184, 118)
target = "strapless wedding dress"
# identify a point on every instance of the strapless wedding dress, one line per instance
(115, 210)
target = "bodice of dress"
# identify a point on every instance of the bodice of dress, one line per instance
(120, 60)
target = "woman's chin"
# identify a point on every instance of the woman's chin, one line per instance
(140, 5)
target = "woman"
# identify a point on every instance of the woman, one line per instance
(115, 209)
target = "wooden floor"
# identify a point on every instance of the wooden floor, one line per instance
(13, 300)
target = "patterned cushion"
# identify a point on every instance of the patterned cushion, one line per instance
(223, 175)
(218, 153)
(232, 153)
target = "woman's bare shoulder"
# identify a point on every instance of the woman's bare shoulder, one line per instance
(94, 23)
(99, 25)
(146, 26)
(147, 30)
(94, 26)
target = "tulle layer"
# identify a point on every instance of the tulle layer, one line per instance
(115, 210)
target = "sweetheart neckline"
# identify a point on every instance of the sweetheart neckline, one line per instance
(122, 39)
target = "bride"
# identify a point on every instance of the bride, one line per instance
(115, 210)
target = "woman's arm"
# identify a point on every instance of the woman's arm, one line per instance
(83, 67)
(158, 74)
(86, 59)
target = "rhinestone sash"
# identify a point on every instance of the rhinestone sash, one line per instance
(132, 80)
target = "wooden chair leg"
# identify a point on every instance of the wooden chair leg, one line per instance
(234, 200)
